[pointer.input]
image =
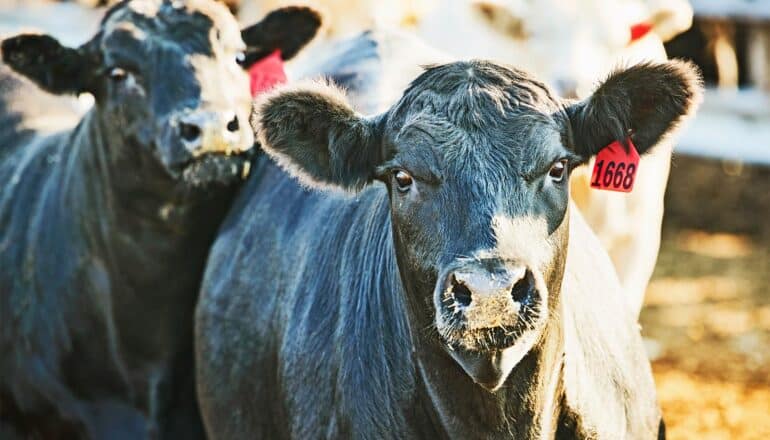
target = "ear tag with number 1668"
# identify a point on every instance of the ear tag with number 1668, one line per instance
(615, 168)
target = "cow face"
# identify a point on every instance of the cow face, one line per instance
(168, 78)
(476, 158)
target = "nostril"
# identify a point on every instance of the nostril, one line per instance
(461, 293)
(523, 288)
(233, 125)
(189, 132)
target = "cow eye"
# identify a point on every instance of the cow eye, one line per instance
(558, 170)
(240, 58)
(403, 180)
(117, 74)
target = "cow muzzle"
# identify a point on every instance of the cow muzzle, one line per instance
(206, 132)
(489, 314)
(204, 146)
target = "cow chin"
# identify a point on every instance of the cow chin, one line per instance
(214, 169)
(489, 347)
(490, 368)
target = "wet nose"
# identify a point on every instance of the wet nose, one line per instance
(489, 297)
(208, 131)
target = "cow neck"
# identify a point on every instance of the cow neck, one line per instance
(528, 403)
(151, 238)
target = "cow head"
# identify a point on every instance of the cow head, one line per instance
(168, 78)
(476, 159)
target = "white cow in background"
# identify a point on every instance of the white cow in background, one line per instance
(571, 43)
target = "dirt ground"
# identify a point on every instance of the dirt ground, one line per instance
(707, 314)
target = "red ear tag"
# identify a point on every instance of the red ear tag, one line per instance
(266, 73)
(615, 169)
(639, 30)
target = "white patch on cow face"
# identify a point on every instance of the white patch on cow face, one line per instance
(224, 89)
(524, 240)
(226, 32)
(224, 94)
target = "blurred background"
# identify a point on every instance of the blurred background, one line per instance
(706, 316)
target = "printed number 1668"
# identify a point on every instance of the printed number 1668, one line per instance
(614, 175)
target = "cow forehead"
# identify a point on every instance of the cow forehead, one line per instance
(480, 116)
(523, 141)
(195, 24)
(476, 93)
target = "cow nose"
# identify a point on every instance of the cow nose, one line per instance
(488, 315)
(213, 132)
(489, 297)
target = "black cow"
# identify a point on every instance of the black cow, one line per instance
(452, 295)
(105, 226)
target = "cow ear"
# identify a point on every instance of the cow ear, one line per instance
(42, 59)
(286, 29)
(314, 134)
(645, 102)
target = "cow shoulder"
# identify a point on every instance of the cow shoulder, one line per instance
(607, 377)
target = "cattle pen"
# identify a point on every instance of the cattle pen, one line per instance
(706, 314)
